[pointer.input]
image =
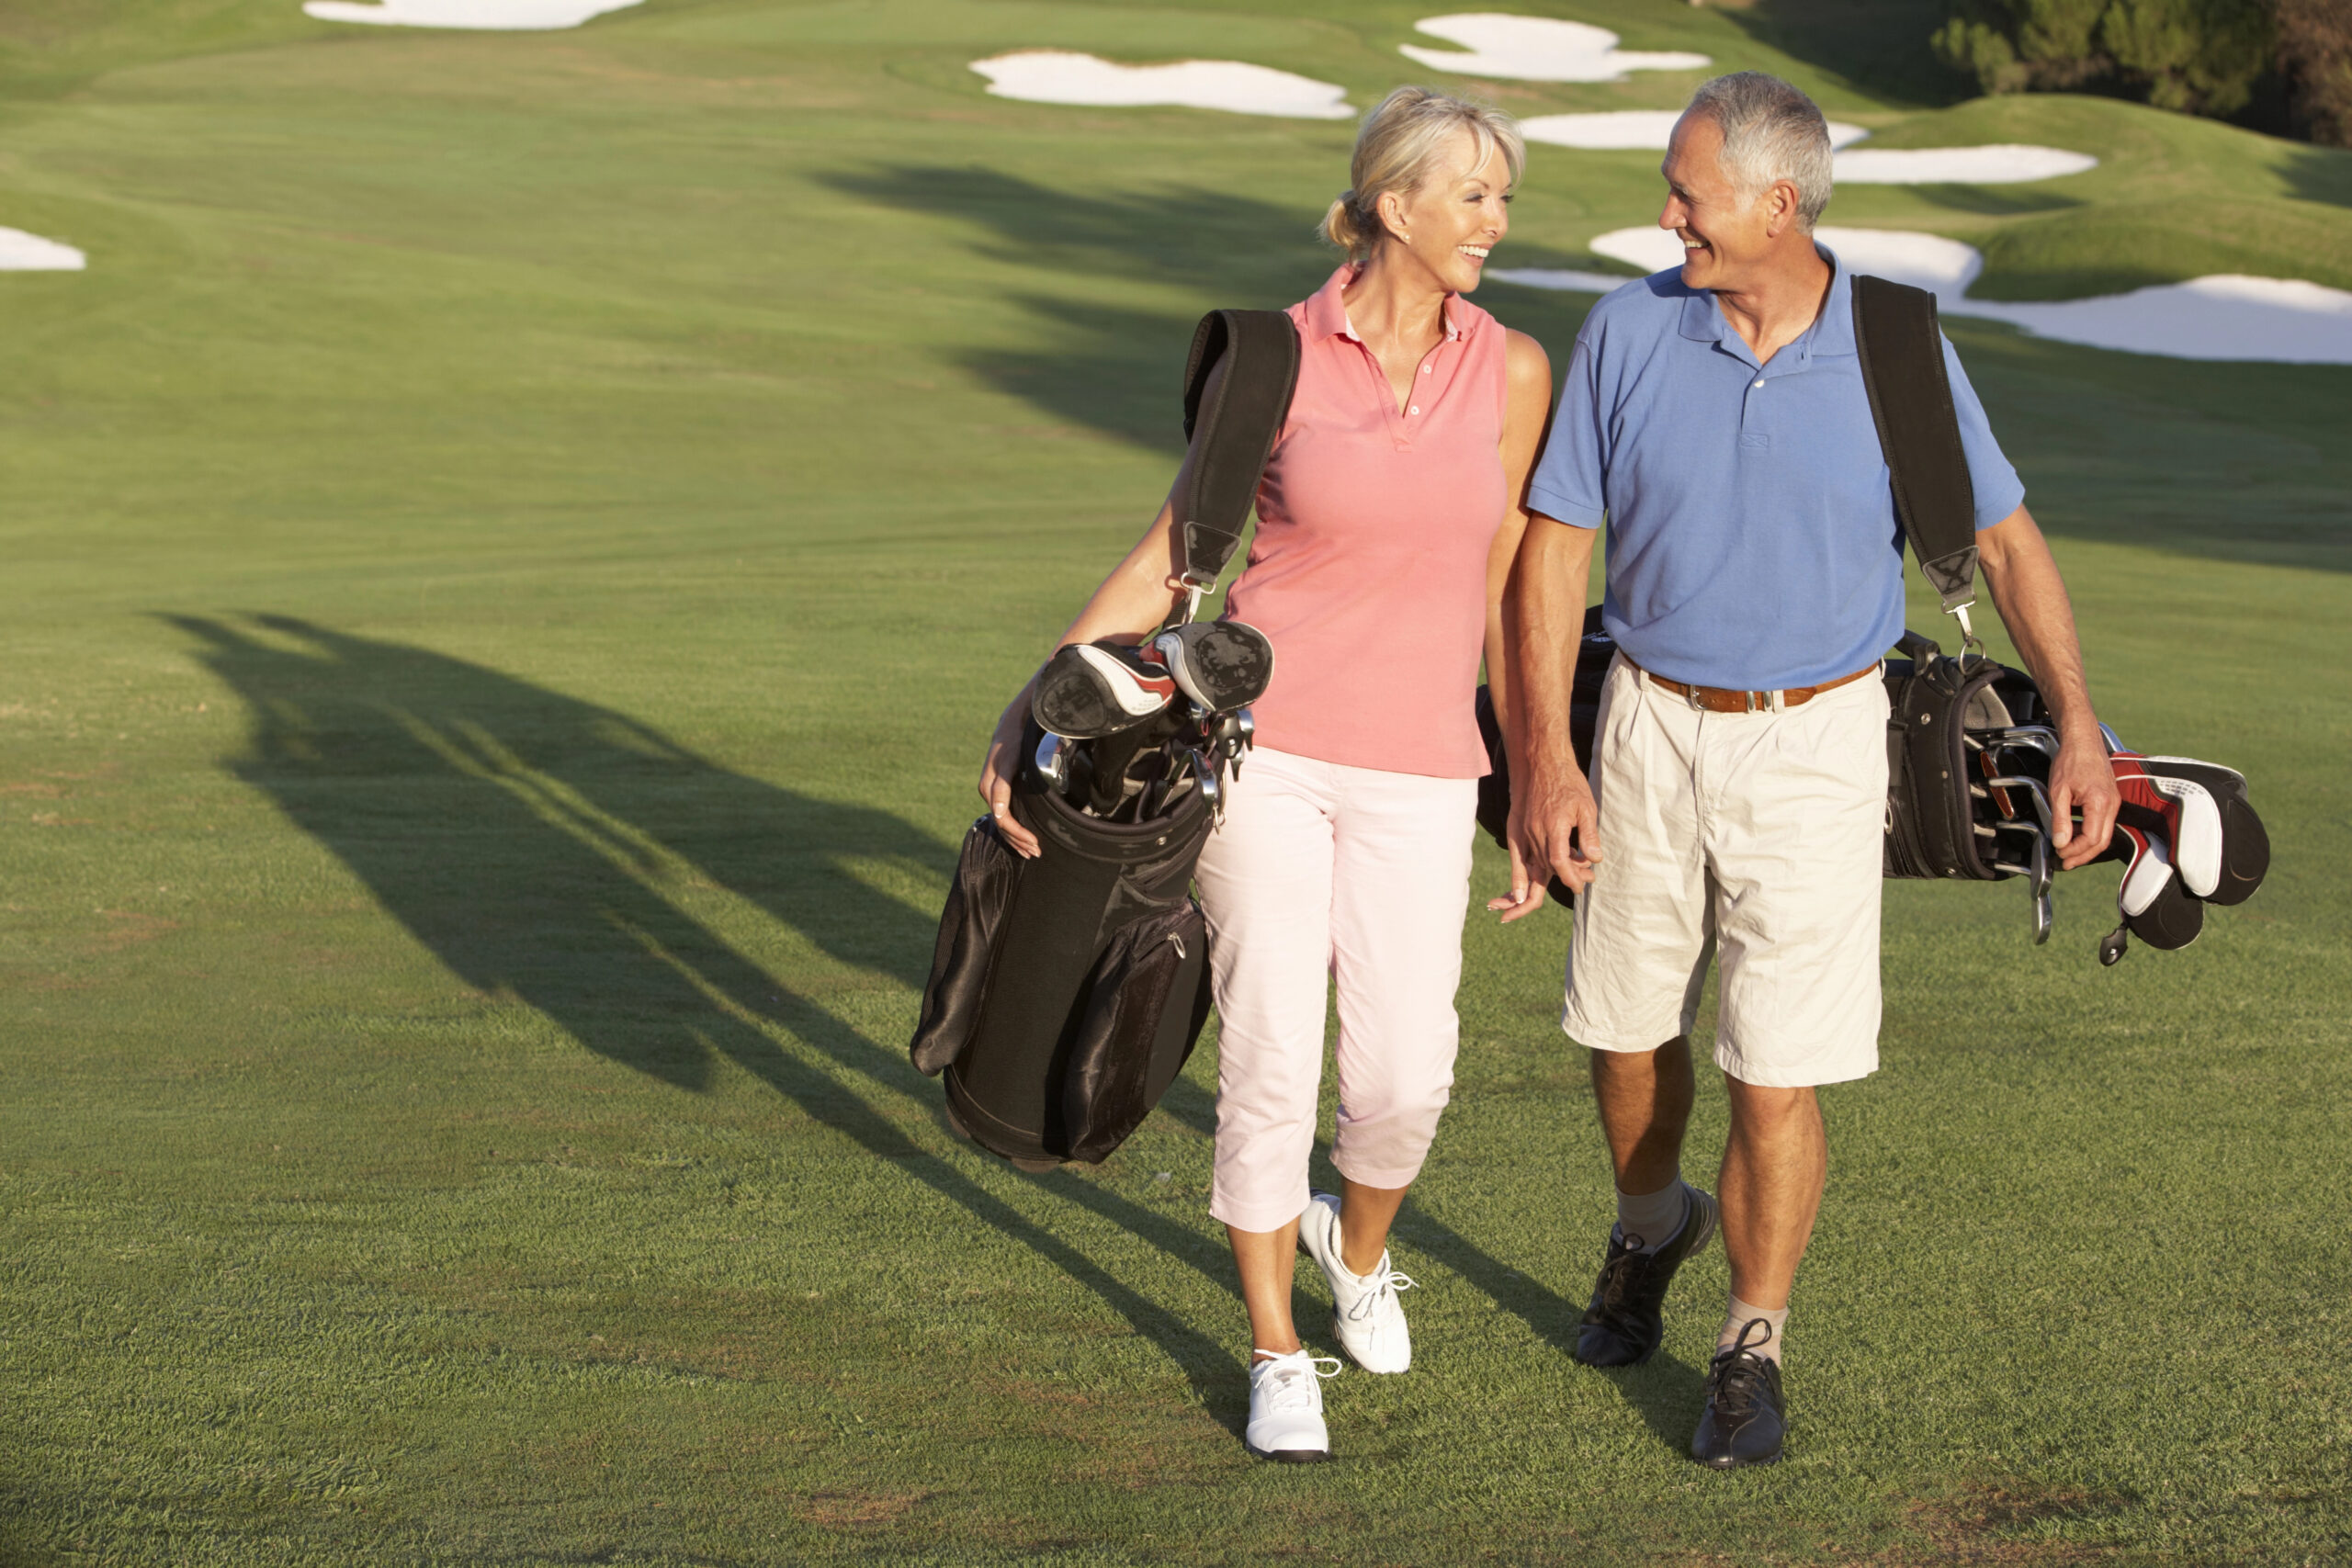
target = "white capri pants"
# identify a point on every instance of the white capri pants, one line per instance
(1760, 833)
(1323, 871)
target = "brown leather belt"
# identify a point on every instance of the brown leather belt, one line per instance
(1715, 699)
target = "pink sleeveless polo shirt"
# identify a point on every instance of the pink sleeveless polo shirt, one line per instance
(1369, 569)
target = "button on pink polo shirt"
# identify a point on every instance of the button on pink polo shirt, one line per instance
(1369, 569)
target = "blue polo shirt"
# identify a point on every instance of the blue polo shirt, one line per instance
(1753, 541)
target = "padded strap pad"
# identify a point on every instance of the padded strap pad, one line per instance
(1232, 434)
(1903, 369)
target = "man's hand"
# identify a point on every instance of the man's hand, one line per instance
(2082, 778)
(2031, 598)
(1554, 825)
(1555, 831)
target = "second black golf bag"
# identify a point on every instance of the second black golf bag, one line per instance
(1970, 741)
(1067, 991)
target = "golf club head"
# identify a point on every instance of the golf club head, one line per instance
(2038, 736)
(2246, 845)
(2032, 787)
(1089, 690)
(1205, 771)
(1220, 665)
(2044, 914)
(1052, 759)
(2155, 906)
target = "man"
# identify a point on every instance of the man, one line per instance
(1716, 416)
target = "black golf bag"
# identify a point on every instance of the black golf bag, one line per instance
(1068, 991)
(1969, 741)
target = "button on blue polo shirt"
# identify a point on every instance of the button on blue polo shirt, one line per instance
(1753, 541)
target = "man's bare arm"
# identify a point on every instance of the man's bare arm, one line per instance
(2031, 597)
(1554, 826)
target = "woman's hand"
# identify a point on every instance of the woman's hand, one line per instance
(997, 774)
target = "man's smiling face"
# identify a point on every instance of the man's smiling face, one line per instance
(1724, 230)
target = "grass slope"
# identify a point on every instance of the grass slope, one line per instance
(509, 551)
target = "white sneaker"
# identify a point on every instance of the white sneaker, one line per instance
(1365, 1311)
(1286, 1407)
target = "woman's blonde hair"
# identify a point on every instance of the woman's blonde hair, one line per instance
(1399, 149)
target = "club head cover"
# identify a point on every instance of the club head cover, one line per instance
(1089, 690)
(2246, 846)
(2183, 811)
(2155, 907)
(1222, 665)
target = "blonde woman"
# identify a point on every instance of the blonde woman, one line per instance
(1388, 518)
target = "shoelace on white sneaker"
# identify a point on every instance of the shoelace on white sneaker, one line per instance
(1285, 1385)
(1384, 1283)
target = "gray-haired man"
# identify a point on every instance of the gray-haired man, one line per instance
(1716, 416)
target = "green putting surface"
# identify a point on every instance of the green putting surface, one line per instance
(507, 557)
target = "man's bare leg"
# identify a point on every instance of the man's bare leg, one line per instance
(1645, 1099)
(1775, 1165)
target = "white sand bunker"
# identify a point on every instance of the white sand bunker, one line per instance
(486, 15)
(20, 252)
(1649, 130)
(2226, 315)
(1634, 129)
(2003, 163)
(1535, 49)
(1052, 76)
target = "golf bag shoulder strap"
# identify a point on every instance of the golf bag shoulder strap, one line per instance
(1234, 433)
(1902, 351)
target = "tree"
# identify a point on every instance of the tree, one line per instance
(2315, 59)
(2200, 56)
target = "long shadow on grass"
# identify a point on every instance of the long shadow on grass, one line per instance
(526, 837)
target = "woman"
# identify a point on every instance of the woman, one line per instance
(1388, 518)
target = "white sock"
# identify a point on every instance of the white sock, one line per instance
(1655, 1218)
(1740, 1318)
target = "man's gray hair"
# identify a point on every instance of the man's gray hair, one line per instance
(1771, 131)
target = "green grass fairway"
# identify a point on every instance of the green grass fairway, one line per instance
(507, 557)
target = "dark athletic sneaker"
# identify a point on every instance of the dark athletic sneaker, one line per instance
(1623, 1324)
(1747, 1417)
(1092, 689)
(1222, 665)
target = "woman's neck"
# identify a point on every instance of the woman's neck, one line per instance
(1395, 299)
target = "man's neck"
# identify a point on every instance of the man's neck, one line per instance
(1774, 306)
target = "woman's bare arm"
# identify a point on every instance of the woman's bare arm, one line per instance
(1527, 414)
(1131, 603)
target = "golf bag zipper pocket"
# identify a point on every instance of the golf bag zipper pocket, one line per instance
(1144, 1004)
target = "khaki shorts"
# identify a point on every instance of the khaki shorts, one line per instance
(1755, 834)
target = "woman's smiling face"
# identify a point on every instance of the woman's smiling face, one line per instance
(1453, 220)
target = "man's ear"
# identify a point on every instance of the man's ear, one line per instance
(1779, 208)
